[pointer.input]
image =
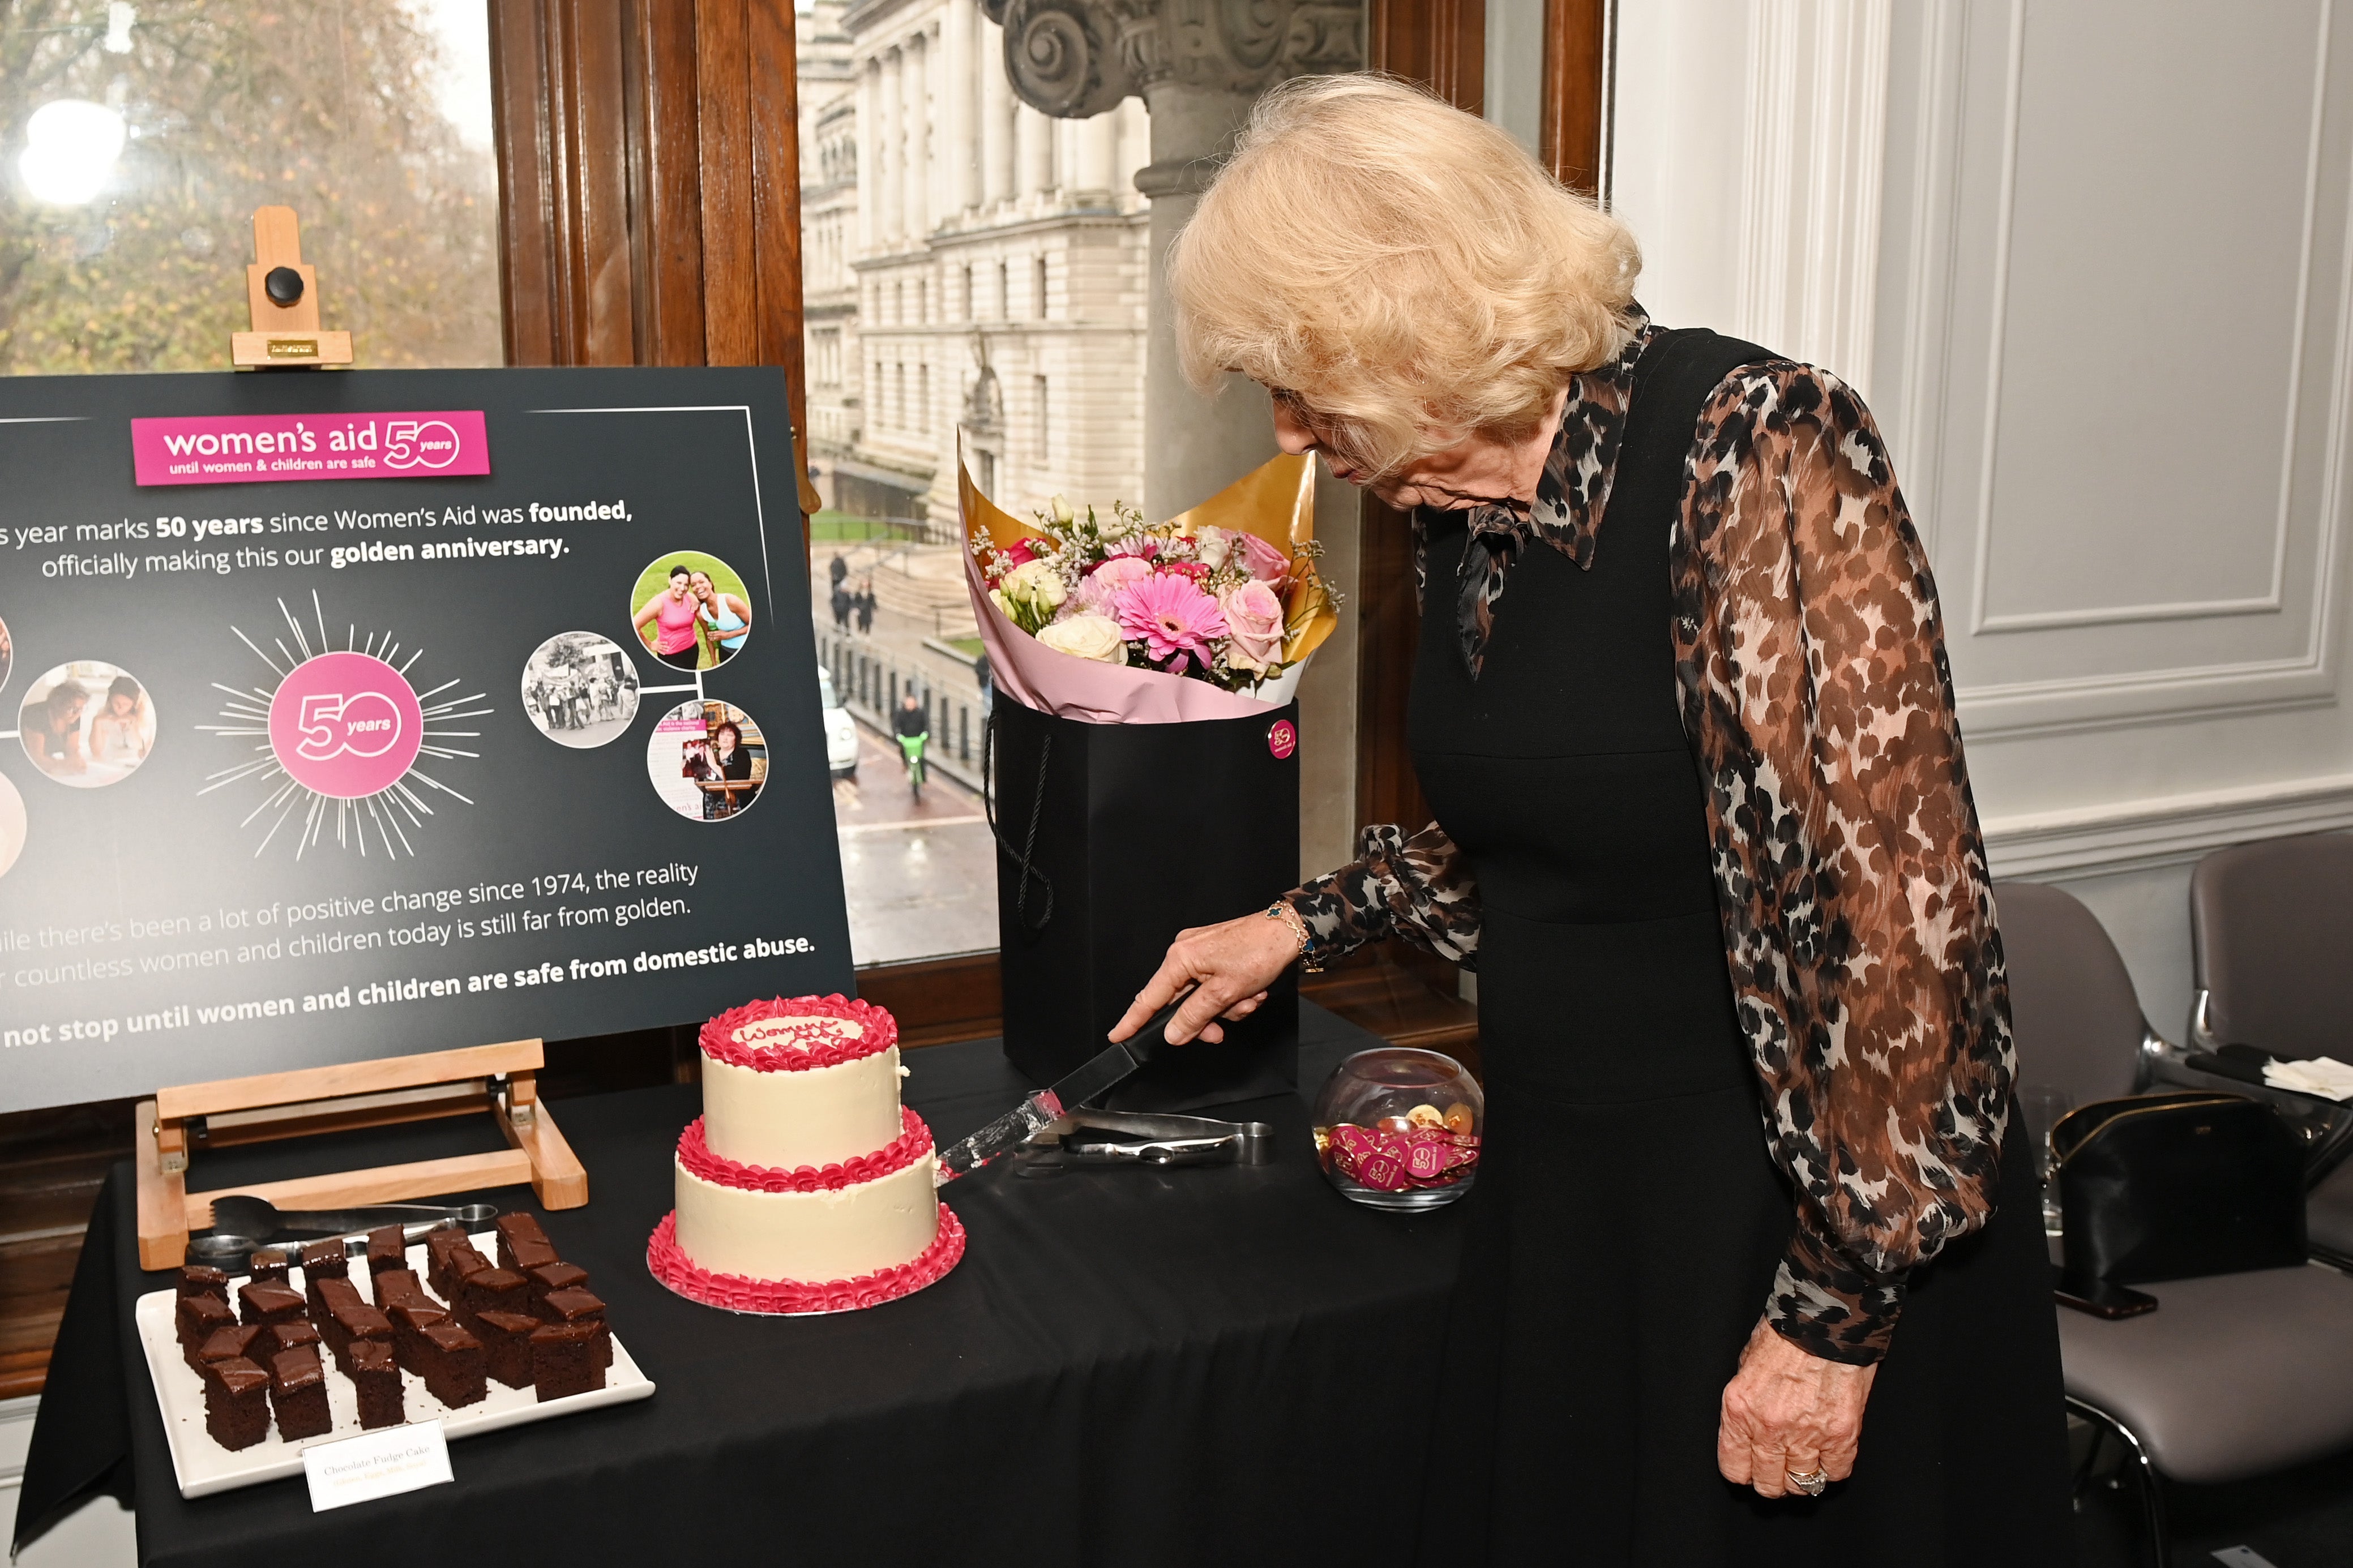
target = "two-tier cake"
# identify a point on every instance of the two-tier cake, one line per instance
(804, 1186)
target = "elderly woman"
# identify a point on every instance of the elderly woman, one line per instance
(1754, 1260)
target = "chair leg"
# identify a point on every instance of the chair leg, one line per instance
(2152, 1496)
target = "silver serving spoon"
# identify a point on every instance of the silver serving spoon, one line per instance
(244, 1224)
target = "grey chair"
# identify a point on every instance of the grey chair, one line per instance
(2233, 1375)
(2271, 928)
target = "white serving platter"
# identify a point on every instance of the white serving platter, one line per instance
(202, 1466)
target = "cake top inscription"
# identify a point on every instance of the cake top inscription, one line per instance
(796, 1035)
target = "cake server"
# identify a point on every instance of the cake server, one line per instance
(1094, 1078)
(1148, 1139)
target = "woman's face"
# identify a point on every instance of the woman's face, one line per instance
(119, 704)
(700, 581)
(726, 739)
(678, 586)
(1474, 471)
(67, 715)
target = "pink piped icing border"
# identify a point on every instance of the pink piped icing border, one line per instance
(793, 1051)
(784, 1297)
(914, 1141)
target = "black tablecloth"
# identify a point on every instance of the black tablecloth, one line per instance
(1129, 1366)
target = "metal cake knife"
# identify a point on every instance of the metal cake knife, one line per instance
(1098, 1076)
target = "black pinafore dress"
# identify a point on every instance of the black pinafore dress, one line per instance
(1629, 1216)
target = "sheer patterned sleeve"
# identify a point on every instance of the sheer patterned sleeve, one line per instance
(1417, 887)
(1858, 916)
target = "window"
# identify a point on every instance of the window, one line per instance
(960, 185)
(140, 138)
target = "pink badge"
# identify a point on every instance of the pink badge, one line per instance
(1283, 739)
(346, 725)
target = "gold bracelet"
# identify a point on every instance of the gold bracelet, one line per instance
(1279, 910)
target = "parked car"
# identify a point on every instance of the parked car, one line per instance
(840, 729)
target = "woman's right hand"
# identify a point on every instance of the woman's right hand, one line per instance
(1233, 962)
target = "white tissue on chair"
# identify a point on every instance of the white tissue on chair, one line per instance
(2324, 1076)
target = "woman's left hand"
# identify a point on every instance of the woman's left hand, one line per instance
(1786, 1411)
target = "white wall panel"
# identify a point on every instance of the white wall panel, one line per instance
(2109, 333)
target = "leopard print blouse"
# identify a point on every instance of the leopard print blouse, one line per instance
(1857, 909)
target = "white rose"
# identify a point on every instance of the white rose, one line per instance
(1086, 636)
(1037, 583)
(1209, 547)
(1061, 510)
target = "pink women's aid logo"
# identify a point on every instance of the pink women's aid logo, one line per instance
(346, 725)
(1283, 739)
(257, 449)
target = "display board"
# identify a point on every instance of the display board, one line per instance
(345, 715)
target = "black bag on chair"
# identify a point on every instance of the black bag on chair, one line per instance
(1111, 839)
(2172, 1186)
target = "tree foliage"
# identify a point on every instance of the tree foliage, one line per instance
(326, 105)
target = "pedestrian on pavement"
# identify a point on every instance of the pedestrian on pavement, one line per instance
(841, 602)
(838, 571)
(866, 610)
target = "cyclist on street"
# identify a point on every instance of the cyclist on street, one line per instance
(913, 727)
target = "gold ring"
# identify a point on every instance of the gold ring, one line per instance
(1811, 1482)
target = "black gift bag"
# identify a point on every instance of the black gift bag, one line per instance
(1111, 839)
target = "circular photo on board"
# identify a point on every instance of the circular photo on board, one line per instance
(707, 760)
(580, 689)
(12, 823)
(7, 654)
(88, 724)
(690, 610)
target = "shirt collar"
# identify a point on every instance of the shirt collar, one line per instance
(1574, 488)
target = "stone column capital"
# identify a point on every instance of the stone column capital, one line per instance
(1077, 58)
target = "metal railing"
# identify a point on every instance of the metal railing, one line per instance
(870, 679)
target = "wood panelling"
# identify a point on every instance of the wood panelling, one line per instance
(1576, 85)
(649, 160)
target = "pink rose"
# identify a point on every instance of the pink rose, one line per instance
(1262, 559)
(1254, 617)
(1107, 577)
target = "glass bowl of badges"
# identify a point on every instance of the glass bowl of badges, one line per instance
(1400, 1129)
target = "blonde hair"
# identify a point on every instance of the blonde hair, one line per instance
(1404, 270)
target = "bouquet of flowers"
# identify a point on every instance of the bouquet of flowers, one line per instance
(1112, 619)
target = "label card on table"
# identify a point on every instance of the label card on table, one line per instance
(377, 1464)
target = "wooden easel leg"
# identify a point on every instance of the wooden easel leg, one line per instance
(162, 1196)
(557, 1176)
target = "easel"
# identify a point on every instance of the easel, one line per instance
(282, 291)
(502, 1079)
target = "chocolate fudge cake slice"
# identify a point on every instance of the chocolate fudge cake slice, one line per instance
(268, 1304)
(551, 1278)
(506, 1345)
(297, 1392)
(377, 1377)
(236, 1402)
(196, 1318)
(291, 1335)
(453, 1365)
(440, 1247)
(322, 1261)
(580, 1307)
(351, 1320)
(523, 1245)
(229, 1343)
(410, 1319)
(491, 1290)
(195, 1279)
(386, 1249)
(563, 1360)
(270, 1267)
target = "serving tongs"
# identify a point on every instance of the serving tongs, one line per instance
(1148, 1139)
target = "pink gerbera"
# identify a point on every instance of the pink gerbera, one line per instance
(1171, 616)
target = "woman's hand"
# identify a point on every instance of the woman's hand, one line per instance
(1234, 962)
(1786, 1411)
